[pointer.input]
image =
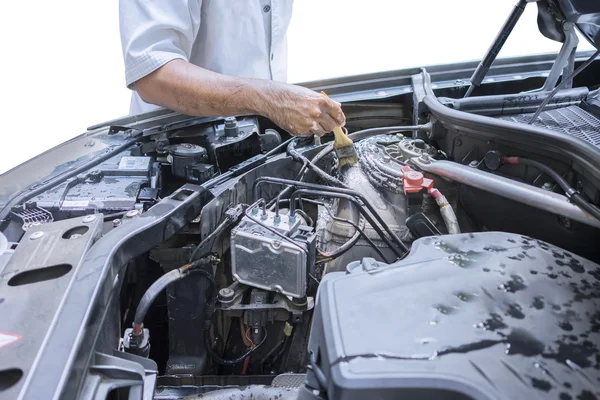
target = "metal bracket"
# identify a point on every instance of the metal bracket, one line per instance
(565, 61)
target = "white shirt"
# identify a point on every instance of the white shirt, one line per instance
(245, 38)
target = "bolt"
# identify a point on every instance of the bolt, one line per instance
(132, 213)
(36, 235)
(564, 221)
(276, 244)
(299, 302)
(226, 294)
(547, 186)
(116, 222)
(458, 142)
(88, 218)
(425, 158)
(474, 164)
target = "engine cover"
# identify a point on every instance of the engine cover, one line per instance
(482, 316)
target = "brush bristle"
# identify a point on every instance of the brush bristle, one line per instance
(347, 161)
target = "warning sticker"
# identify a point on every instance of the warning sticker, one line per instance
(8, 338)
(134, 163)
(76, 203)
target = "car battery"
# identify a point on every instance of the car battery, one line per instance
(113, 186)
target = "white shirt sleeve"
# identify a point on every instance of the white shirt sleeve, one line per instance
(154, 32)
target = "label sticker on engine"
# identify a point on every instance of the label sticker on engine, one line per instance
(75, 203)
(134, 163)
(8, 338)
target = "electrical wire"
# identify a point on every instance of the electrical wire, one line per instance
(212, 236)
(360, 231)
(349, 192)
(563, 82)
(327, 178)
(219, 360)
(360, 134)
(354, 200)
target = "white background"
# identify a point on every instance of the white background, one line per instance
(62, 71)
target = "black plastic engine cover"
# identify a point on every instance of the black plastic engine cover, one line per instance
(484, 316)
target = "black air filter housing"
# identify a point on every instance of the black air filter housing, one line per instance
(474, 316)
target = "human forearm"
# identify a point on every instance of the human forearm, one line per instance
(189, 89)
(192, 90)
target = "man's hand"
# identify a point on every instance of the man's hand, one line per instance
(192, 90)
(302, 111)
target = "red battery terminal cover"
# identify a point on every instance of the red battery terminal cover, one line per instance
(414, 181)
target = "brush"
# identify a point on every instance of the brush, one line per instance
(343, 146)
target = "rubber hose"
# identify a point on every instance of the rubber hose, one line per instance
(575, 197)
(578, 200)
(548, 171)
(161, 283)
(153, 292)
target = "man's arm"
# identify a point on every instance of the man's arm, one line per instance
(189, 89)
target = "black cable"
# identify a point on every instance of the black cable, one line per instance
(327, 178)
(548, 171)
(219, 360)
(350, 192)
(279, 147)
(212, 236)
(361, 134)
(578, 200)
(165, 280)
(109, 217)
(574, 196)
(362, 233)
(562, 83)
(208, 315)
(322, 193)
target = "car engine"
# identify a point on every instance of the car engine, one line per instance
(458, 258)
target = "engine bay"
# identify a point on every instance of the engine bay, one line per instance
(231, 260)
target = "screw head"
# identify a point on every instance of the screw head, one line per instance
(226, 294)
(116, 222)
(277, 244)
(547, 186)
(132, 213)
(473, 164)
(88, 218)
(36, 235)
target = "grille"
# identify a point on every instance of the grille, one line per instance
(289, 381)
(571, 120)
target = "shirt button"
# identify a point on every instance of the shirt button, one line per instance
(267, 8)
